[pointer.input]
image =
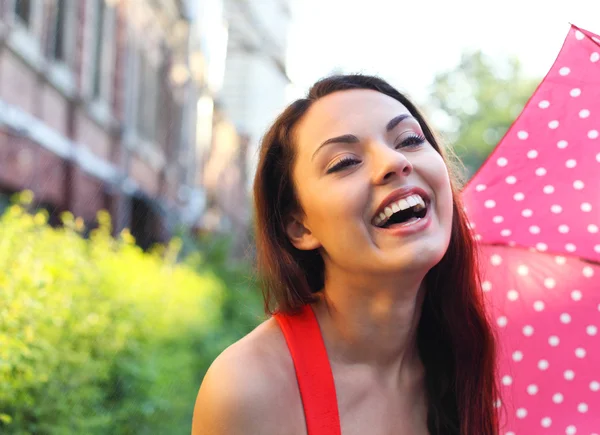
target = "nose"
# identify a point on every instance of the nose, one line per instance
(390, 165)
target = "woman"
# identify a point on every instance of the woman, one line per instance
(378, 325)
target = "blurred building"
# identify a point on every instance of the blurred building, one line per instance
(152, 109)
(98, 104)
(247, 98)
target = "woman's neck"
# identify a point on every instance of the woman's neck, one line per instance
(373, 323)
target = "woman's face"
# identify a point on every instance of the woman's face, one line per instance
(360, 158)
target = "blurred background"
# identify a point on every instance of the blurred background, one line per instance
(129, 132)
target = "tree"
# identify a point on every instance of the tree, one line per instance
(480, 99)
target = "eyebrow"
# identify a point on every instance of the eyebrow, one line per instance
(350, 138)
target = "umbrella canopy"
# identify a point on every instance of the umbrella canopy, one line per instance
(535, 208)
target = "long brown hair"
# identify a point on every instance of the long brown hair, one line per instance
(455, 340)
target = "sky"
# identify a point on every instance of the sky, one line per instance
(408, 42)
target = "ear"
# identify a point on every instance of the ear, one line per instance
(300, 235)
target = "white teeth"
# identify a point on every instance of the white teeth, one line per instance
(396, 206)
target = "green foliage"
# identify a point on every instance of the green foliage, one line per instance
(481, 98)
(98, 337)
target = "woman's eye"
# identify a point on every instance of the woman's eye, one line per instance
(411, 141)
(342, 163)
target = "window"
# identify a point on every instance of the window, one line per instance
(23, 11)
(147, 94)
(98, 48)
(59, 49)
(102, 53)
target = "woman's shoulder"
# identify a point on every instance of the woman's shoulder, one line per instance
(247, 389)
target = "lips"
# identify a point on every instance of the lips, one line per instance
(398, 200)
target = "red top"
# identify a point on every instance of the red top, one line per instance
(313, 371)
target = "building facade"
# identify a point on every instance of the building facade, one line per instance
(98, 109)
(251, 93)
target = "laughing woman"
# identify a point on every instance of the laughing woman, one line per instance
(377, 324)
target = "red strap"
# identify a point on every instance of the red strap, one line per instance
(313, 371)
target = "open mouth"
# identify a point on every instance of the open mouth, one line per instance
(401, 212)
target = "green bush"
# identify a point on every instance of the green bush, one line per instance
(98, 337)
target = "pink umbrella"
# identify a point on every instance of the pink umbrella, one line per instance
(535, 209)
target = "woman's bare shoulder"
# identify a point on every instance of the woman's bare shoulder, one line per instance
(247, 388)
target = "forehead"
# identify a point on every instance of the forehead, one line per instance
(356, 111)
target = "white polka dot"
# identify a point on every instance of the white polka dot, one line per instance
(562, 144)
(595, 386)
(512, 295)
(502, 321)
(576, 295)
(571, 163)
(580, 352)
(587, 271)
(559, 259)
(527, 212)
(534, 229)
(511, 179)
(546, 422)
(591, 330)
(553, 124)
(556, 209)
(565, 318)
(578, 184)
(579, 35)
(564, 71)
(592, 228)
(486, 286)
(532, 154)
(553, 341)
(502, 161)
(497, 403)
(523, 270)
(496, 260)
(538, 306)
(548, 189)
(593, 134)
(584, 113)
(571, 430)
(519, 196)
(480, 187)
(510, 432)
(497, 219)
(544, 104)
(540, 172)
(543, 364)
(542, 247)
(597, 249)
(477, 237)
(595, 56)
(586, 206)
(575, 92)
(522, 135)
(521, 413)
(570, 247)
(549, 283)
(528, 330)
(517, 355)
(532, 389)
(582, 407)
(564, 229)
(505, 232)
(490, 203)
(506, 380)
(557, 398)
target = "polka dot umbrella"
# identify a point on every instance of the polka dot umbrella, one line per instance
(535, 208)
